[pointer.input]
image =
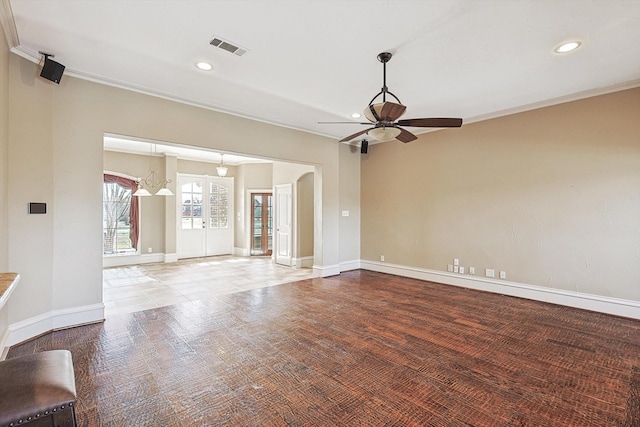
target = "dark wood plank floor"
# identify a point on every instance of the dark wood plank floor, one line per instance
(361, 348)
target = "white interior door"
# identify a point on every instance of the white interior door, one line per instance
(205, 216)
(284, 213)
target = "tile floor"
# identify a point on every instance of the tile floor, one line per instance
(142, 287)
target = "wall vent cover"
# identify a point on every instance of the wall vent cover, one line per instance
(229, 47)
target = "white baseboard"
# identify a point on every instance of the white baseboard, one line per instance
(170, 258)
(53, 320)
(4, 347)
(326, 270)
(302, 262)
(350, 265)
(240, 252)
(602, 304)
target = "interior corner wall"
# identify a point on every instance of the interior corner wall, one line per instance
(31, 179)
(55, 155)
(350, 160)
(550, 196)
(4, 144)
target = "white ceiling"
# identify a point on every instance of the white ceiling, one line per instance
(315, 60)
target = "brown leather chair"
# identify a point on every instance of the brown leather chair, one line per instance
(37, 390)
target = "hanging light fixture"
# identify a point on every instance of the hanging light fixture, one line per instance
(222, 169)
(384, 133)
(150, 181)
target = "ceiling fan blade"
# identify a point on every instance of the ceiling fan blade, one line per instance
(350, 137)
(391, 111)
(432, 123)
(405, 136)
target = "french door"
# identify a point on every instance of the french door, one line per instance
(205, 216)
(261, 224)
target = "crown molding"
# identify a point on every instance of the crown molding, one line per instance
(556, 101)
(8, 24)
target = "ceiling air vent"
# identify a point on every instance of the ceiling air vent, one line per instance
(229, 47)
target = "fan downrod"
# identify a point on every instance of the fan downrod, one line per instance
(384, 57)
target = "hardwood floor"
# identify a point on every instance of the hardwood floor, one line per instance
(362, 348)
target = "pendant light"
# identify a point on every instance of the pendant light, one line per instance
(222, 169)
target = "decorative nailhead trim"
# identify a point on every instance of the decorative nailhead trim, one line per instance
(45, 413)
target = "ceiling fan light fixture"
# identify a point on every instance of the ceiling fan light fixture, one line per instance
(369, 115)
(567, 47)
(384, 133)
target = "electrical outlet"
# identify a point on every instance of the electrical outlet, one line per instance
(461, 270)
(503, 274)
(490, 272)
(450, 268)
(382, 258)
(472, 271)
(149, 250)
(456, 261)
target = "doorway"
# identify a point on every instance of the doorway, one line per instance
(205, 216)
(284, 213)
(261, 224)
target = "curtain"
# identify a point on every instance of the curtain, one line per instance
(133, 210)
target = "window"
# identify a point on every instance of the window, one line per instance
(219, 206)
(119, 216)
(192, 205)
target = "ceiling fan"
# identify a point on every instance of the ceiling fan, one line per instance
(383, 115)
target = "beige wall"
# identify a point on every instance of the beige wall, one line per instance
(350, 159)
(31, 178)
(550, 196)
(56, 156)
(304, 216)
(4, 143)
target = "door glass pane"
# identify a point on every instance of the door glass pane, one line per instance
(270, 223)
(191, 205)
(219, 206)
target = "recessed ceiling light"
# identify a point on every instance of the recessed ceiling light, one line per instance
(355, 115)
(204, 66)
(567, 47)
